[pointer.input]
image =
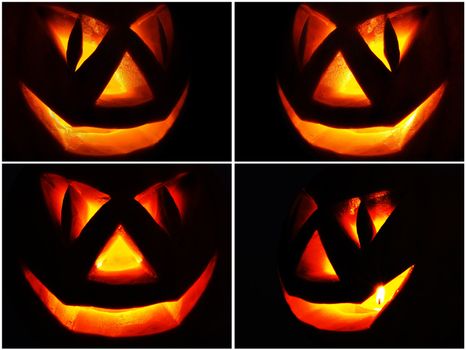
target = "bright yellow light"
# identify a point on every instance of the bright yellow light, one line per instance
(338, 87)
(94, 141)
(380, 295)
(128, 322)
(347, 317)
(371, 141)
(127, 87)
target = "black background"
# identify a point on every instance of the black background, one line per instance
(428, 314)
(263, 130)
(201, 132)
(26, 321)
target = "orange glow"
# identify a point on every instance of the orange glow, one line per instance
(127, 87)
(372, 31)
(149, 199)
(318, 27)
(347, 317)
(305, 207)
(85, 200)
(405, 24)
(338, 87)
(61, 22)
(314, 264)
(347, 215)
(371, 141)
(148, 29)
(380, 207)
(54, 188)
(121, 262)
(128, 322)
(94, 141)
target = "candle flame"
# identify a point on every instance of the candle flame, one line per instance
(380, 295)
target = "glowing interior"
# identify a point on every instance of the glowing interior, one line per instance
(371, 141)
(338, 86)
(347, 215)
(348, 317)
(149, 199)
(305, 207)
(405, 24)
(127, 322)
(148, 29)
(318, 27)
(85, 200)
(379, 206)
(95, 141)
(121, 262)
(372, 31)
(61, 23)
(54, 188)
(127, 87)
(315, 264)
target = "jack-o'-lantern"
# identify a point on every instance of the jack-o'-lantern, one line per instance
(363, 85)
(100, 86)
(344, 257)
(122, 261)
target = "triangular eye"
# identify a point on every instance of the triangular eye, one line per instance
(84, 202)
(155, 28)
(339, 88)
(121, 262)
(315, 264)
(379, 207)
(347, 214)
(71, 203)
(127, 87)
(164, 202)
(61, 24)
(404, 22)
(309, 31)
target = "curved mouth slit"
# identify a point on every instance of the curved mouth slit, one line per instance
(348, 317)
(372, 141)
(97, 141)
(127, 322)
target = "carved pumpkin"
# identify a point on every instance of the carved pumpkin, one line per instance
(121, 261)
(111, 88)
(363, 86)
(338, 262)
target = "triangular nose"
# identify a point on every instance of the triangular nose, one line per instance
(121, 262)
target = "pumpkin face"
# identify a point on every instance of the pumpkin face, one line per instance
(110, 86)
(363, 86)
(339, 268)
(125, 262)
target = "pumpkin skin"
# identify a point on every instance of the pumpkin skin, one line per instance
(346, 255)
(339, 91)
(103, 85)
(165, 247)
